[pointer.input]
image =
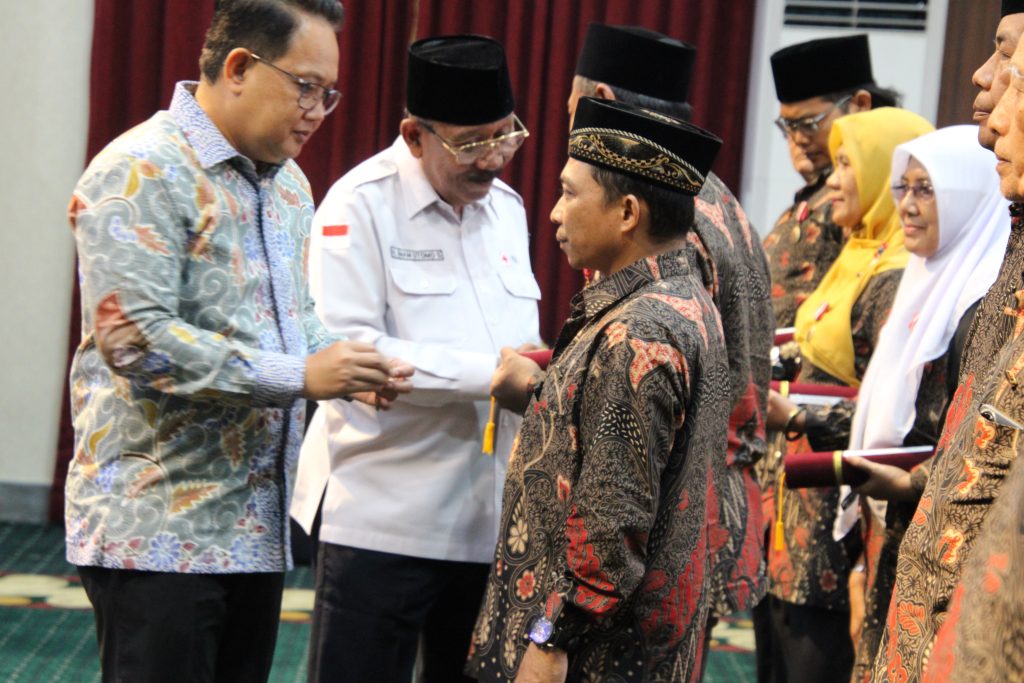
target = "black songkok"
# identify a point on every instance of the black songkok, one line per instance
(638, 60)
(821, 67)
(1012, 7)
(659, 149)
(459, 79)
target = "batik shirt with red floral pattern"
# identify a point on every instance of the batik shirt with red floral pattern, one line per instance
(801, 248)
(973, 458)
(729, 251)
(605, 514)
(982, 637)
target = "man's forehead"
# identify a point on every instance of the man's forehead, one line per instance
(460, 132)
(1010, 28)
(804, 108)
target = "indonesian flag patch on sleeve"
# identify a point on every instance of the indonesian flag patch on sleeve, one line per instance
(335, 236)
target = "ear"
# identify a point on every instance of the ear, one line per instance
(861, 101)
(603, 91)
(632, 209)
(413, 136)
(236, 67)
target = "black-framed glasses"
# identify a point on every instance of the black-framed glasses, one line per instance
(472, 152)
(808, 125)
(922, 192)
(309, 93)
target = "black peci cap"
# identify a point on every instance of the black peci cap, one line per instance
(638, 60)
(459, 79)
(660, 149)
(821, 67)
(1012, 7)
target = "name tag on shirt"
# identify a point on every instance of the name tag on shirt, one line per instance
(400, 254)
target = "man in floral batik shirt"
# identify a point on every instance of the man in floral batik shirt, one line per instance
(602, 567)
(640, 67)
(199, 342)
(977, 448)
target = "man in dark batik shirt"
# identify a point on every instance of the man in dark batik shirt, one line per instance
(601, 570)
(977, 448)
(816, 83)
(640, 67)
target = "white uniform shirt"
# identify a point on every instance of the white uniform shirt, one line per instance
(392, 264)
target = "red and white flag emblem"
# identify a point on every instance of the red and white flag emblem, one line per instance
(335, 236)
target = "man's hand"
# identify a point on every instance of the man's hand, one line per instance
(885, 482)
(543, 666)
(399, 384)
(343, 368)
(511, 382)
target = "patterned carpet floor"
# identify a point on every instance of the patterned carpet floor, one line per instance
(46, 626)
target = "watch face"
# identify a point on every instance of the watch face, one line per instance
(540, 631)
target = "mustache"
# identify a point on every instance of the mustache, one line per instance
(479, 176)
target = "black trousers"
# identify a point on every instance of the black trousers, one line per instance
(372, 609)
(155, 626)
(801, 644)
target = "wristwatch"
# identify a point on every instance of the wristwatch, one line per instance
(541, 632)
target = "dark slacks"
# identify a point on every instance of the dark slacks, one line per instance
(372, 609)
(804, 644)
(155, 626)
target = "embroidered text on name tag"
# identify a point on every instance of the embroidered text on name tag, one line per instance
(417, 254)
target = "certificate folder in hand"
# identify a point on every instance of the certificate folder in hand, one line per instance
(830, 468)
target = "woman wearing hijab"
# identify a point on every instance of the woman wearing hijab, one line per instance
(837, 329)
(955, 225)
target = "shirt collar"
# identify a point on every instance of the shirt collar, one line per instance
(417, 192)
(209, 143)
(610, 290)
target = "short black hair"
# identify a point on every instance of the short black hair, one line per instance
(679, 110)
(880, 97)
(263, 26)
(671, 212)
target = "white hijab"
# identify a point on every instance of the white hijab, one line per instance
(934, 293)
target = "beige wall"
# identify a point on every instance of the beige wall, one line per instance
(44, 53)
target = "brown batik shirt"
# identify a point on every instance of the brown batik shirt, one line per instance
(801, 248)
(809, 567)
(729, 252)
(604, 525)
(974, 455)
(982, 637)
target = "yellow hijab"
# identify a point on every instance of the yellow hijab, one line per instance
(875, 246)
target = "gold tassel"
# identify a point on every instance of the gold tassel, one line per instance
(780, 541)
(488, 448)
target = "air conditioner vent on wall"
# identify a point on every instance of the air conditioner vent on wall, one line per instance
(902, 15)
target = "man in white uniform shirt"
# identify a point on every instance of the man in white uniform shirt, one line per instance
(421, 251)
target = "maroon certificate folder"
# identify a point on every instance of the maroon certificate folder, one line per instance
(829, 468)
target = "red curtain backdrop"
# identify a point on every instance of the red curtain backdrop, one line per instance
(140, 49)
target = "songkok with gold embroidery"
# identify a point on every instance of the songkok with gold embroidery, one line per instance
(660, 149)
(821, 67)
(638, 60)
(1012, 7)
(459, 79)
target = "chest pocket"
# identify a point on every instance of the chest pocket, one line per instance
(520, 283)
(417, 280)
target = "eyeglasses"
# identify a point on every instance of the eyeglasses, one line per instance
(922, 192)
(472, 152)
(808, 125)
(309, 93)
